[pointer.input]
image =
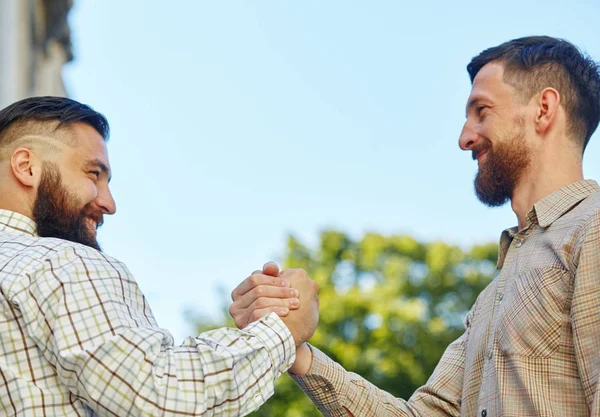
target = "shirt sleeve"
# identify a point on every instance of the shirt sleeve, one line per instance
(90, 320)
(337, 392)
(585, 314)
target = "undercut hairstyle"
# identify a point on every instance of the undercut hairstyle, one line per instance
(46, 116)
(534, 63)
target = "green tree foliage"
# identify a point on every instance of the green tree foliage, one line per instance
(389, 307)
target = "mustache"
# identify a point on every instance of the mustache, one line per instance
(485, 145)
(94, 215)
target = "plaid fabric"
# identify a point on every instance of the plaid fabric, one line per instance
(77, 338)
(532, 340)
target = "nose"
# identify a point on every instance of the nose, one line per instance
(106, 202)
(468, 137)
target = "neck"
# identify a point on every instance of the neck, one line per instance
(542, 181)
(15, 202)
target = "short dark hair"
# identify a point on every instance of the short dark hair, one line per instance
(537, 62)
(64, 111)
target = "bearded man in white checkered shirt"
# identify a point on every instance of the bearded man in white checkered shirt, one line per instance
(77, 336)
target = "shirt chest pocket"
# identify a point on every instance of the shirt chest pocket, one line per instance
(531, 313)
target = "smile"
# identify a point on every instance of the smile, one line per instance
(92, 222)
(480, 155)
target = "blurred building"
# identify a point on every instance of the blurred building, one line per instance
(35, 43)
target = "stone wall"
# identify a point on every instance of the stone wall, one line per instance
(35, 43)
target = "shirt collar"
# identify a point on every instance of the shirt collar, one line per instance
(548, 210)
(12, 221)
(552, 207)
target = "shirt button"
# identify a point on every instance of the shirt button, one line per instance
(519, 244)
(501, 296)
(483, 413)
(490, 354)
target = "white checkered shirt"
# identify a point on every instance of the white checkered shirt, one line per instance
(77, 338)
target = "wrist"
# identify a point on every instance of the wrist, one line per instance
(303, 361)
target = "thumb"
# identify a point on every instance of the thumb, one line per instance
(271, 268)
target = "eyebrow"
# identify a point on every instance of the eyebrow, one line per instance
(472, 103)
(100, 165)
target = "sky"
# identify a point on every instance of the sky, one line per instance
(237, 123)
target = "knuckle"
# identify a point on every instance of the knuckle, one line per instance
(255, 315)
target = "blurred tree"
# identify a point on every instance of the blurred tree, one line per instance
(389, 307)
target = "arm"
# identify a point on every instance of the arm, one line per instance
(585, 314)
(87, 315)
(337, 392)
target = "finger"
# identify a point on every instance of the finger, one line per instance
(239, 318)
(265, 292)
(255, 280)
(258, 314)
(287, 272)
(241, 314)
(291, 303)
(271, 268)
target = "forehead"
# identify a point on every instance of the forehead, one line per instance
(489, 84)
(89, 144)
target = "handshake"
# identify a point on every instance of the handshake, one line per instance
(289, 293)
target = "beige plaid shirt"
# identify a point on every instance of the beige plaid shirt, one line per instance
(77, 338)
(532, 340)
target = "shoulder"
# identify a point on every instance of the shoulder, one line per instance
(71, 256)
(587, 233)
(45, 269)
(33, 255)
(589, 211)
(580, 219)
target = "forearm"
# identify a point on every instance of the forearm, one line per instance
(339, 393)
(303, 361)
(91, 322)
(222, 372)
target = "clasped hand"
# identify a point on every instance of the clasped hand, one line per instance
(289, 293)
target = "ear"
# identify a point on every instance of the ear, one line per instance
(547, 110)
(26, 167)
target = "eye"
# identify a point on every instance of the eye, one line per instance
(96, 174)
(481, 110)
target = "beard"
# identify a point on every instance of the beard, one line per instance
(506, 163)
(59, 214)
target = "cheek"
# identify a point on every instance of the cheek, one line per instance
(485, 126)
(492, 131)
(86, 191)
(92, 191)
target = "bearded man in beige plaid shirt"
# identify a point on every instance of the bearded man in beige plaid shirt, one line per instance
(531, 345)
(77, 336)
